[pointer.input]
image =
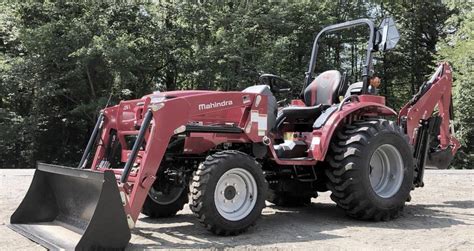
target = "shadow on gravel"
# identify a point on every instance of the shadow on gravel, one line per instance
(286, 225)
(430, 217)
(465, 204)
(277, 225)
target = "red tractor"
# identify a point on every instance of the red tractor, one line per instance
(227, 152)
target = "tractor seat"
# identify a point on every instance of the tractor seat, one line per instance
(293, 113)
(319, 95)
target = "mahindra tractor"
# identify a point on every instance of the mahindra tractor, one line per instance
(226, 153)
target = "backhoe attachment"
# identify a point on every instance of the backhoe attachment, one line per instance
(427, 119)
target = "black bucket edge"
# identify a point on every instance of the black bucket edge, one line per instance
(108, 227)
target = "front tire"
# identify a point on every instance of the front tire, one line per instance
(371, 169)
(228, 192)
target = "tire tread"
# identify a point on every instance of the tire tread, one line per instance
(342, 171)
(199, 188)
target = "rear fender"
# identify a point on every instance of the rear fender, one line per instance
(369, 106)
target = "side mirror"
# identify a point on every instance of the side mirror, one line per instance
(389, 34)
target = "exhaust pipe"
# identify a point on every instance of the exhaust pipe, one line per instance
(69, 208)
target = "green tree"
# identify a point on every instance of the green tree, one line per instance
(73, 57)
(406, 67)
(60, 61)
(457, 49)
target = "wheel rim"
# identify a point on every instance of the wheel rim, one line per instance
(386, 171)
(235, 194)
(165, 198)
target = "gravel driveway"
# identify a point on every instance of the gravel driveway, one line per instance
(440, 216)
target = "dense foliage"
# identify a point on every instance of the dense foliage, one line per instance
(61, 61)
(458, 48)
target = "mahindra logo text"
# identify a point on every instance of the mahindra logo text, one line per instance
(214, 105)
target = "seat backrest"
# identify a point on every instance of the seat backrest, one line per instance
(324, 89)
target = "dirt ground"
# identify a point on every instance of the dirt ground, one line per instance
(440, 216)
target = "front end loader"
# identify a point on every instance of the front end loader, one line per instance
(225, 153)
(95, 208)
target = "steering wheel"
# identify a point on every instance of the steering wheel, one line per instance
(276, 83)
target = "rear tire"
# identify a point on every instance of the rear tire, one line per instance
(371, 169)
(228, 192)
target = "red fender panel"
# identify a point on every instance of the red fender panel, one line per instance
(368, 106)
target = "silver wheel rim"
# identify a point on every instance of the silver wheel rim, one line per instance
(235, 194)
(386, 171)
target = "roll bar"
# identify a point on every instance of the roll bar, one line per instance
(370, 49)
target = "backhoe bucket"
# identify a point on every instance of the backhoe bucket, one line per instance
(440, 159)
(70, 208)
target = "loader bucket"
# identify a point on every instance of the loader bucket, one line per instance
(69, 208)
